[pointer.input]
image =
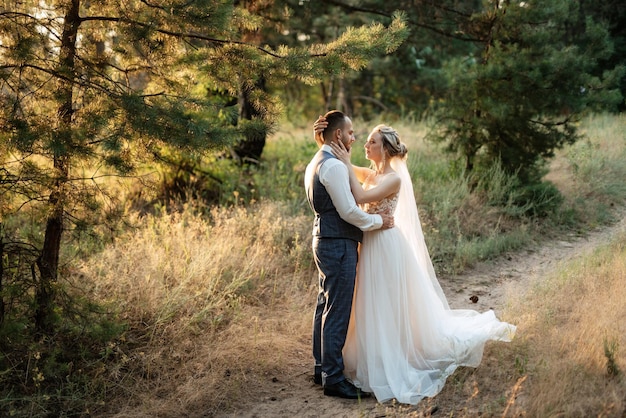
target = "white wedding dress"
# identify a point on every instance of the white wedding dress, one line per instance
(403, 340)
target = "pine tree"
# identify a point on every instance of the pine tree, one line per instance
(107, 84)
(613, 14)
(406, 81)
(519, 99)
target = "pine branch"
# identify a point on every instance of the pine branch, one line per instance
(180, 35)
(434, 29)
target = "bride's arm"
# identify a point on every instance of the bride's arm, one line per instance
(362, 172)
(389, 185)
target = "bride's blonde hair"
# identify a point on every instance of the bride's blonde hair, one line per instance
(391, 141)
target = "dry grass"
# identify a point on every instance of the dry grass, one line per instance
(212, 305)
(565, 324)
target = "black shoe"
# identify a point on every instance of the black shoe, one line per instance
(317, 378)
(344, 389)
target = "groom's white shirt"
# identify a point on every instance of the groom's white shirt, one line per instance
(334, 176)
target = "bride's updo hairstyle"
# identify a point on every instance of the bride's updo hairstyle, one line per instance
(391, 141)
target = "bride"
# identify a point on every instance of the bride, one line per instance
(403, 339)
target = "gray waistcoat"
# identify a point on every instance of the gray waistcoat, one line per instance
(328, 223)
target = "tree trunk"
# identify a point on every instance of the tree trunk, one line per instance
(251, 147)
(2, 306)
(328, 94)
(344, 101)
(48, 261)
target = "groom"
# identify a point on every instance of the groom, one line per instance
(337, 231)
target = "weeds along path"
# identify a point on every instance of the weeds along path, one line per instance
(488, 284)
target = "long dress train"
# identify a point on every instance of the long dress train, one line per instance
(403, 340)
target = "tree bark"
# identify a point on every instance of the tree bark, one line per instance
(2, 306)
(48, 261)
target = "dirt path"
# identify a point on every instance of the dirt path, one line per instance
(297, 396)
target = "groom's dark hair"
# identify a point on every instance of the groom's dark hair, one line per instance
(336, 120)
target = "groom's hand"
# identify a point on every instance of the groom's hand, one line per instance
(387, 219)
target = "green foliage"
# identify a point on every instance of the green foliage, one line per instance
(613, 14)
(468, 251)
(94, 89)
(538, 199)
(217, 180)
(281, 174)
(522, 97)
(445, 31)
(469, 218)
(405, 81)
(61, 375)
(610, 352)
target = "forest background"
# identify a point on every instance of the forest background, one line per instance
(152, 156)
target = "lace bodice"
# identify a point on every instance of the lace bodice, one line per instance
(382, 205)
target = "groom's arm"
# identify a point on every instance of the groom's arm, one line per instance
(334, 176)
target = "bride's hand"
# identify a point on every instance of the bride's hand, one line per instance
(341, 152)
(318, 128)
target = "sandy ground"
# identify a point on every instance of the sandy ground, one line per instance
(491, 282)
